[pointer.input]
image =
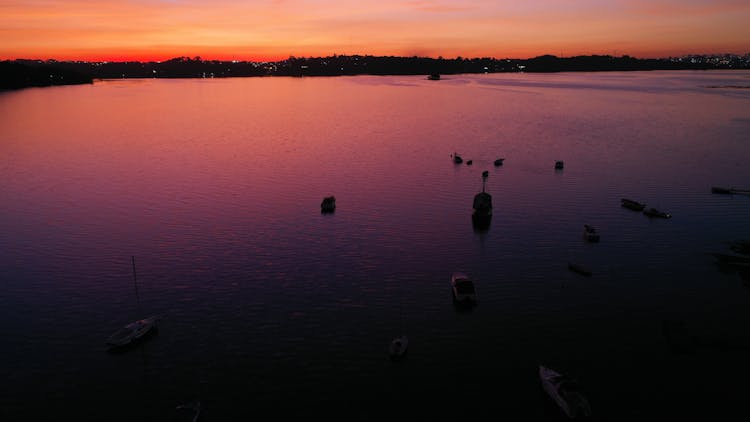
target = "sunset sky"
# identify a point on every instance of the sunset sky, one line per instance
(276, 29)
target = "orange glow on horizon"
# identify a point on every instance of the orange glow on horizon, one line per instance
(271, 30)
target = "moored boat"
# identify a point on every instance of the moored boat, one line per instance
(579, 269)
(633, 205)
(188, 412)
(328, 204)
(457, 158)
(499, 162)
(653, 212)
(717, 189)
(590, 233)
(398, 348)
(482, 205)
(133, 332)
(730, 191)
(565, 392)
(462, 287)
(559, 165)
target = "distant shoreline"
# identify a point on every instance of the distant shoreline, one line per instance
(22, 73)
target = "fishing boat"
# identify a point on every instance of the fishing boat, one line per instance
(565, 392)
(590, 233)
(499, 162)
(633, 205)
(653, 212)
(328, 204)
(457, 158)
(134, 331)
(398, 347)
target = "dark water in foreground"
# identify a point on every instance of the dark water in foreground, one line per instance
(270, 306)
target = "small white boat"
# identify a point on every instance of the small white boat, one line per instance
(398, 347)
(133, 332)
(564, 391)
(462, 287)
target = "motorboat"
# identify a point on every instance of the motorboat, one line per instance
(328, 204)
(559, 165)
(462, 287)
(398, 347)
(133, 332)
(579, 269)
(590, 233)
(565, 392)
(470, 162)
(653, 212)
(633, 205)
(499, 162)
(457, 158)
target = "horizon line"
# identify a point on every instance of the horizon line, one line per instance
(292, 56)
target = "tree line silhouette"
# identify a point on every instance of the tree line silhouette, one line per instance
(25, 73)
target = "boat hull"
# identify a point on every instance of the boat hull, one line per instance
(654, 213)
(633, 205)
(133, 333)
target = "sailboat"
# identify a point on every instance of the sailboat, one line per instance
(136, 330)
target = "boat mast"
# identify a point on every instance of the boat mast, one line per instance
(135, 284)
(485, 175)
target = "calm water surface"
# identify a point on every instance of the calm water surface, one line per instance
(215, 187)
